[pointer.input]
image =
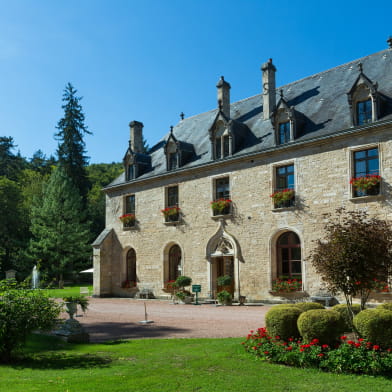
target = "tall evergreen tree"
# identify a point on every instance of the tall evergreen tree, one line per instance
(10, 164)
(61, 238)
(71, 148)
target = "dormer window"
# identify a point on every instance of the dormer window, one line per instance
(177, 153)
(284, 132)
(364, 112)
(364, 100)
(130, 172)
(284, 119)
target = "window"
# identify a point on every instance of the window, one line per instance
(284, 194)
(171, 211)
(221, 204)
(284, 132)
(289, 256)
(130, 172)
(364, 112)
(173, 161)
(366, 179)
(128, 218)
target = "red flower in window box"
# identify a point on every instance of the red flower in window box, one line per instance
(282, 196)
(286, 285)
(221, 206)
(365, 183)
(171, 212)
(128, 219)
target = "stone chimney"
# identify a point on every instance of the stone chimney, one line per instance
(224, 96)
(269, 87)
(136, 136)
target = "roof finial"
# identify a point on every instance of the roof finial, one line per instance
(171, 128)
(182, 115)
(281, 93)
(360, 67)
(389, 41)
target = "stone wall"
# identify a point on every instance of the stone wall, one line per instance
(322, 174)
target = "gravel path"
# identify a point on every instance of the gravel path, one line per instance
(118, 318)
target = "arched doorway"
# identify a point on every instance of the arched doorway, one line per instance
(131, 276)
(174, 263)
(288, 250)
(222, 264)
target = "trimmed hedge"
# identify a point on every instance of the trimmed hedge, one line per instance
(386, 306)
(375, 325)
(322, 324)
(305, 306)
(342, 309)
(282, 321)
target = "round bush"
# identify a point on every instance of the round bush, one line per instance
(305, 306)
(282, 321)
(322, 324)
(374, 325)
(342, 309)
(386, 306)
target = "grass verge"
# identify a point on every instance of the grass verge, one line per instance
(171, 365)
(67, 291)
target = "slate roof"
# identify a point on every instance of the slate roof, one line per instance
(321, 100)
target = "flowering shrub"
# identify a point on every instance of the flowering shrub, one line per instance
(221, 206)
(380, 286)
(365, 183)
(171, 212)
(284, 197)
(347, 356)
(286, 285)
(128, 219)
(170, 285)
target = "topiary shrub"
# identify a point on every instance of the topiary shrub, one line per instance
(322, 324)
(386, 306)
(305, 306)
(342, 309)
(282, 321)
(374, 325)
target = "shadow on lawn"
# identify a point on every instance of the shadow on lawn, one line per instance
(60, 360)
(111, 331)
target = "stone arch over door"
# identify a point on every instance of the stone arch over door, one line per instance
(172, 262)
(224, 255)
(287, 255)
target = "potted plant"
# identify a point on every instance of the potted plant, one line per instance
(224, 297)
(170, 286)
(221, 206)
(171, 214)
(183, 295)
(71, 303)
(224, 283)
(366, 185)
(128, 220)
(283, 198)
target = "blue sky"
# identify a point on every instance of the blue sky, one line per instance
(151, 60)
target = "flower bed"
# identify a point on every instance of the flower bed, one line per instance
(348, 356)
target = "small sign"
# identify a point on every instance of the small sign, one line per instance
(196, 288)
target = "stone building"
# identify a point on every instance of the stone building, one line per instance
(302, 142)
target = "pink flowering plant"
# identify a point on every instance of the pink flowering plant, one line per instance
(347, 356)
(286, 285)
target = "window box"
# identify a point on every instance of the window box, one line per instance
(284, 198)
(221, 207)
(171, 214)
(128, 220)
(368, 185)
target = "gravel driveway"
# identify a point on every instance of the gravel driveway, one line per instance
(118, 318)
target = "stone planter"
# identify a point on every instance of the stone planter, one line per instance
(72, 308)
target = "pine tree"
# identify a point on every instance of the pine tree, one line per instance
(61, 239)
(71, 148)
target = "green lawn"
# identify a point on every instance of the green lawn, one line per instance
(67, 291)
(152, 365)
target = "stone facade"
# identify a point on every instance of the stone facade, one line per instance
(247, 236)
